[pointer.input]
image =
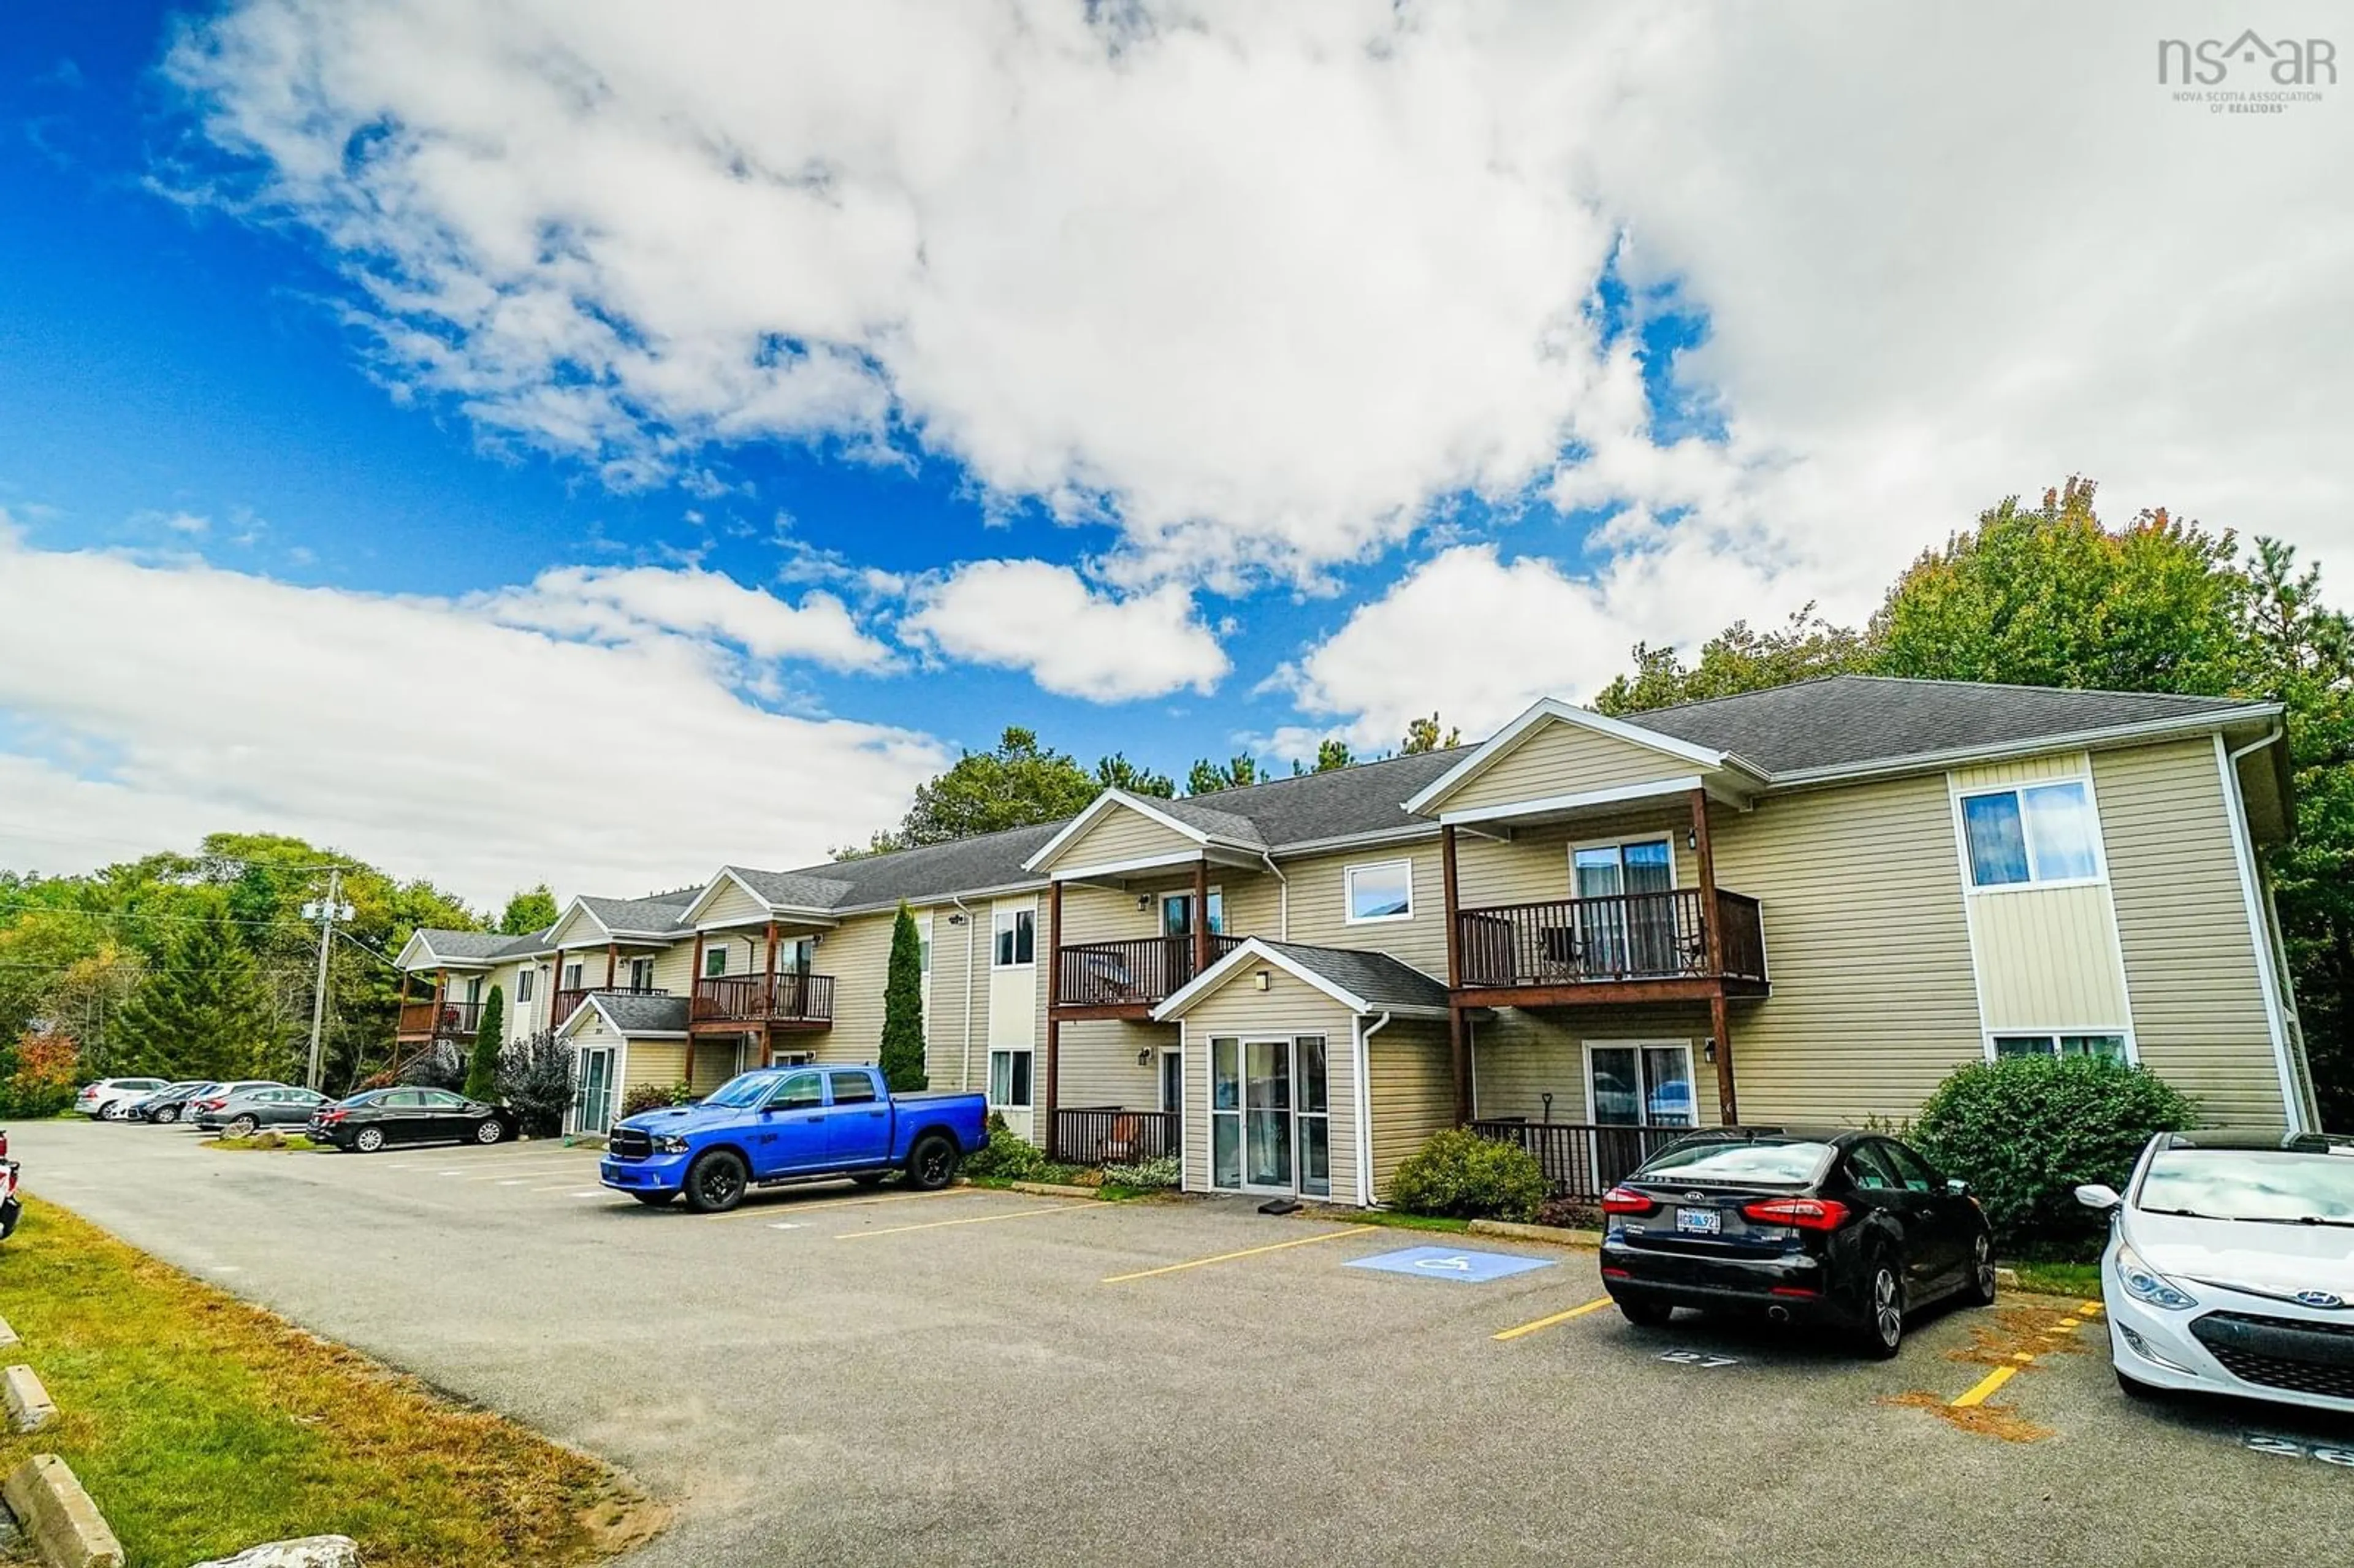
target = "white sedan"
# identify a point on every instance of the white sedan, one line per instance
(2230, 1270)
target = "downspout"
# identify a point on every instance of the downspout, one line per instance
(2259, 929)
(964, 1083)
(1365, 1033)
(1283, 899)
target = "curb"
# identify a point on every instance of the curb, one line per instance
(2005, 1279)
(58, 1517)
(7, 1334)
(1054, 1190)
(30, 1408)
(1552, 1236)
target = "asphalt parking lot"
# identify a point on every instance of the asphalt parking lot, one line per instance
(839, 1375)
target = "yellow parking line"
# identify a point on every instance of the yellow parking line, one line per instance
(2090, 1308)
(970, 1219)
(1596, 1305)
(1230, 1256)
(1985, 1386)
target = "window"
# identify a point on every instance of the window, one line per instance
(1910, 1168)
(923, 949)
(441, 1099)
(1009, 1079)
(572, 977)
(523, 983)
(715, 960)
(1017, 940)
(1226, 1112)
(2111, 1046)
(642, 974)
(1383, 891)
(2039, 832)
(800, 1091)
(851, 1088)
(1177, 912)
(1868, 1164)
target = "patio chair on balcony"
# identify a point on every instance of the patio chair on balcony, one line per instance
(1561, 955)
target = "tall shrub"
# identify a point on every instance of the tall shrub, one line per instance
(903, 1008)
(2026, 1131)
(483, 1072)
(535, 1081)
(40, 1077)
(1462, 1174)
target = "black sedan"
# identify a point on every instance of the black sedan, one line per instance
(376, 1119)
(168, 1104)
(1849, 1229)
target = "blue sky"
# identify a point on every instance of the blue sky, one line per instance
(1454, 433)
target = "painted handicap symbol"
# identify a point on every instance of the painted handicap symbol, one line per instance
(1454, 1265)
(1458, 1264)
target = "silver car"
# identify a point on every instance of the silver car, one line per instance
(2229, 1269)
(250, 1110)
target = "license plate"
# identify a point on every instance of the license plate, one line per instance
(1699, 1222)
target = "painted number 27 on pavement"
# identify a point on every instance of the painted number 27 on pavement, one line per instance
(2290, 1448)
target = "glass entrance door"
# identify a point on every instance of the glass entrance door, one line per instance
(1635, 1086)
(592, 1099)
(1270, 1115)
(1623, 932)
(1266, 1114)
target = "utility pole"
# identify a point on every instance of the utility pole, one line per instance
(327, 913)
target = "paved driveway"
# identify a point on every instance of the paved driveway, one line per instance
(839, 1376)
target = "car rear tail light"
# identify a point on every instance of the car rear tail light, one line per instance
(1807, 1213)
(1794, 1290)
(1617, 1274)
(334, 1113)
(1627, 1200)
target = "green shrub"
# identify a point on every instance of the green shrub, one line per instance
(655, 1097)
(1165, 1171)
(1015, 1159)
(2026, 1131)
(1464, 1175)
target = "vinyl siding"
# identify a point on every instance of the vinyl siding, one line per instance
(1320, 906)
(1556, 758)
(856, 953)
(1287, 1008)
(1533, 866)
(1866, 945)
(1121, 834)
(1521, 1055)
(2047, 959)
(1413, 1083)
(945, 1057)
(2190, 958)
(733, 905)
(661, 1063)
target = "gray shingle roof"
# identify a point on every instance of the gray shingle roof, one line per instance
(1313, 807)
(633, 1014)
(1377, 978)
(482, 945)
(1211, 820)
(1858, 721)
(796, 888)
(659, 912)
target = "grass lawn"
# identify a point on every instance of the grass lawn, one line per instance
(202, 1425)
(282, 1143)
(1393, 1218)
(2078, 1279)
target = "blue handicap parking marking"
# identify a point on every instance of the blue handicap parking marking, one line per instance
(1450, 1263)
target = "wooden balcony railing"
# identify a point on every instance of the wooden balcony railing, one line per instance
(1112, 1135)
(568, 1000)
(1132, 973)
(790, 997)
(1624, 937)
(443, 1021)
(1582, 1159)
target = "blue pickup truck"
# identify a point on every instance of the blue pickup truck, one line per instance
(790, 1124)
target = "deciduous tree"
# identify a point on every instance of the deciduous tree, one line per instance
(529, 910)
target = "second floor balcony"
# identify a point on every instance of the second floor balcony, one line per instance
(1658, 939)
(1130, 975)
(569, 998)
(442, 1020)
(788, 997)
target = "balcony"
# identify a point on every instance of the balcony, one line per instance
(569, 1000)
(1125, 980)
(1629, 947)
(790, 999)
(444, 1020)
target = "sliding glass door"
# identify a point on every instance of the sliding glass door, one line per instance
(1270, 1115)
(1621, 934)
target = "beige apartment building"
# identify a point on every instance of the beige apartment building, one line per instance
(1804, 905)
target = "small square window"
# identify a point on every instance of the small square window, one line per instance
(715, 960)
(2040, 833)
(1381, 891)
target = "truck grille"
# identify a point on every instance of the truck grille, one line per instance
(2289, 1353)
(629, 1143)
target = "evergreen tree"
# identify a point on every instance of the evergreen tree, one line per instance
(482, 1075)
(202, 1014)
(903, 1008)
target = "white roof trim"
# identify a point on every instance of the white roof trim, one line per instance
(433, 960)
(1611, 795)
(692, 918)
(1494, 748)
(592, 1001)
(555, 932)
(1105, 802)
(1253, 950)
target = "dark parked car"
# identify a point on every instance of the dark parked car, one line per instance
(372, 1119)
(246, 1112)
(11, 1208)
(213, 1097)
(170, 1103)
(1850, 1229)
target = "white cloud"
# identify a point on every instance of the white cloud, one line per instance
(1478, 639)
(1073, 639)
(188, 523)
(418, 732)
(1258, 284)
(628, 604)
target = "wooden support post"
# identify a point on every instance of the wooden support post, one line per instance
(769, 986)
(1458, 1041)
(441, 988)
(1201, 915)
(612, 956)
(1720, 1015)
(1448, 901)
(1054, 1025)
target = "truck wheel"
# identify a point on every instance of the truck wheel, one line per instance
(932, 1163)
(716, 1182)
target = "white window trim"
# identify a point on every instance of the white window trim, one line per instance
(1349, 916)
(1217, 892)
(1012, 918)
(650, 969)
(2053, 1030)
(989, 1080)
(1663, 837)
(1957, 792)
(1664, 1042)
(710, 951)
